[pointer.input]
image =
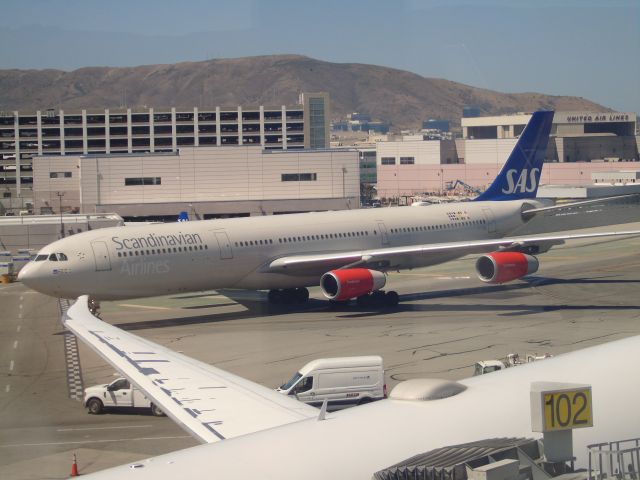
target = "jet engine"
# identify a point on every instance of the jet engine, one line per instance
(501, 267)
(349, 283)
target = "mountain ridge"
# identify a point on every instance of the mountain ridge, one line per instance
(402, 98)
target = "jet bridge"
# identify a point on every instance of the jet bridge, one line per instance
(556, 410)
(493, 458)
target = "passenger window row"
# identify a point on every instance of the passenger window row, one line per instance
(252, 243)
(308, 238)
(424, 228)
(303, 238)
(161, 251)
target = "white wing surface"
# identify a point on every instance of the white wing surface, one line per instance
(209, 403)
(398, 257)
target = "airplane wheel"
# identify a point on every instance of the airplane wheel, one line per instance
(391, 299)
(94, 406)
(301, 295)
(363, 300)
(288, 296)
(275, 296)
(155, 411)
(377, 298)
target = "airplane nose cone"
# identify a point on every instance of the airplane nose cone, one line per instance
(23, 273)
(29, 276)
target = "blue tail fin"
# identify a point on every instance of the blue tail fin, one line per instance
(183, 217)
(520, 175)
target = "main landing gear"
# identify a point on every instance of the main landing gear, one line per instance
(378, 299)
(288, 296)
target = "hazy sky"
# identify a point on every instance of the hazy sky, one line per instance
(584, 48)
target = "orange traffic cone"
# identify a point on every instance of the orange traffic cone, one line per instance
(74, 467)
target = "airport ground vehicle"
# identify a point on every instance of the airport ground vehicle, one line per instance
(117, 394)
(513, 359)
(342, 381)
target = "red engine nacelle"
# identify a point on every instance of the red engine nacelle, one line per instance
(501, 267)
(350, 283)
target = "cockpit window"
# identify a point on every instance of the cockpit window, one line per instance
(53, 257)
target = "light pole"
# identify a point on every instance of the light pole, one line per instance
(344, 170)
(60, 195)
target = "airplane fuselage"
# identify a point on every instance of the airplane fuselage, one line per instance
(159, 259)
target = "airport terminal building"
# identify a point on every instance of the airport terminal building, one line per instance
(208, 182)
(25, 135)
(581, 144)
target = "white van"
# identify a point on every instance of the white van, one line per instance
(343, 381)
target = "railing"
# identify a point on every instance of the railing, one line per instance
(619, 460)
(53, 218)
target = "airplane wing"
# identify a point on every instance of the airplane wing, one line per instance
(586, 206)
(391, 258)
(209, 403)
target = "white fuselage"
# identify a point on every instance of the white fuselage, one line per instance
(159, 259)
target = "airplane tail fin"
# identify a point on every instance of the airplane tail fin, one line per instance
(520, 175)
(183, 217)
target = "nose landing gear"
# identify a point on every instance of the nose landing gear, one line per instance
(94, 307)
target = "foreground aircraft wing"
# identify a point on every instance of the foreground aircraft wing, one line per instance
(209, 403)
(399, 257)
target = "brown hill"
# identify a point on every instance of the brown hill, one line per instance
(397, 96)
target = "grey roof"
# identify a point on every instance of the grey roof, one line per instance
(448, 463)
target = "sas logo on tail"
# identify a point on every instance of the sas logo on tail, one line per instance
(526, 183)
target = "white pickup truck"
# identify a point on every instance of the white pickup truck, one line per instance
(117, 394)
(512, 360)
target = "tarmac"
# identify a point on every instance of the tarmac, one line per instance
(582, 295)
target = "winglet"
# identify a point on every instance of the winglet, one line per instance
(520, 175)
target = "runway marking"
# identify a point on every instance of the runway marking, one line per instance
(19, 315)
(7, 388)
(20, 307)
(75, 384)
(11, 366)
(101, 428)
(80, 442)
(21, 297)
(18, 328)
(15, 344)
(149, 307)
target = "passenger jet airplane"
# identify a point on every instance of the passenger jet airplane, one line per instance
(251, 431)
(346, 252)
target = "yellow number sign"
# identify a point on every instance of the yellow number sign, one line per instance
(567, 409)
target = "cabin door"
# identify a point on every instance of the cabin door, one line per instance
(224, 244)
(101, 255)
(491, 220)
(383, 233)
